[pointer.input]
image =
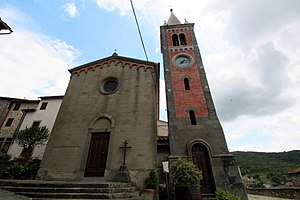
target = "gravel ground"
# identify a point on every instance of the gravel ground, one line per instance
(256, 197)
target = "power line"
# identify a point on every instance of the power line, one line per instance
(138, 27)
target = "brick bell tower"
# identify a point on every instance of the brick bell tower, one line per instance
(194, 128)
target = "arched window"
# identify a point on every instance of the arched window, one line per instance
(186, 84)
(182, 39)
(192, 117)
(175, 40)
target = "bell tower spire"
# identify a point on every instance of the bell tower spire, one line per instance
(173, 19)
(194, 128)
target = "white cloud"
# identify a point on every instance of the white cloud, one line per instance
(71, 9)
(35, 64)
(111, 5)
(278, 132)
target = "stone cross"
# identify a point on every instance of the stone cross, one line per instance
(125, 147)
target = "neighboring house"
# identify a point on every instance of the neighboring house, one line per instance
(162, 142)
(5, 104)
(44, 115)
(12, 115)
(162, 147)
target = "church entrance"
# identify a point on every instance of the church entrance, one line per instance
(201, 160)
(96, 161)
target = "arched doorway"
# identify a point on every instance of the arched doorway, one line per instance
(98, 149)
(201, 159)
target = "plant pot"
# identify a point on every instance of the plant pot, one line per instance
(3, 165)
(187, 193)
(149, 193)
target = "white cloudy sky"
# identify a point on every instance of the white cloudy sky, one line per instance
(250, 50)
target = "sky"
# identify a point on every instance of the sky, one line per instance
(250, 50)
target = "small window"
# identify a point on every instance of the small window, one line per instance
(175, 40)
(182, 39)
(5, 143)
(44, 105)
(9, 121)
(192, 117)
(186, 84)
(17, 106)
(36, 123)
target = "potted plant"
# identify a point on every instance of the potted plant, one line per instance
(152, 180)
(186, 178)
(152, 183)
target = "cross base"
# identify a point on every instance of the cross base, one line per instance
(123, 174)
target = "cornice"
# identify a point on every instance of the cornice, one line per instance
(115, 61)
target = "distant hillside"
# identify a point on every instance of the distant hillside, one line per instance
(267, 168)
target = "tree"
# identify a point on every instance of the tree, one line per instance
(31, 137)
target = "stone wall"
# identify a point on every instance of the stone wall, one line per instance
(17, 115)
(290, 193)
(4, 104)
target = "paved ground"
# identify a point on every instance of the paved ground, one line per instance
(256, 197)
(5, 195)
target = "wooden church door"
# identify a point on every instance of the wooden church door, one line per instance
(201, 160)
(96, 161)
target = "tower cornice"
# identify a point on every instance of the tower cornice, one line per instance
(180, 26)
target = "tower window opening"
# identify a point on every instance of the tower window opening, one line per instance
(175, 40)
(192, 117)
(186, 84)
(182, 39)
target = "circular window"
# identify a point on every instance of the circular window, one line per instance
(109, 85)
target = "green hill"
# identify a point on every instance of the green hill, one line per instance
(267, 168)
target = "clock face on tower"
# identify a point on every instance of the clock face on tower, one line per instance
(182, 61)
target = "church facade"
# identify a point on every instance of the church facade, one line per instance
(107, 102)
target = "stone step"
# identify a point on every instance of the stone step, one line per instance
(68, 190)
(71, 199)
(39, 190)
(65, 184)
(76, 195)
(209, 197)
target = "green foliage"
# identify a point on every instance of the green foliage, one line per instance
(31, 137)
(22, 170)
(267, 168)
(15, 170)
(185, 173)
(4, 156)
(152, 180)
(224, 195)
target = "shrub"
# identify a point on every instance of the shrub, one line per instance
(152, 180)
(15, 170)
(224, 195)
(4, 156)
(185, 173)
(21, 170)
